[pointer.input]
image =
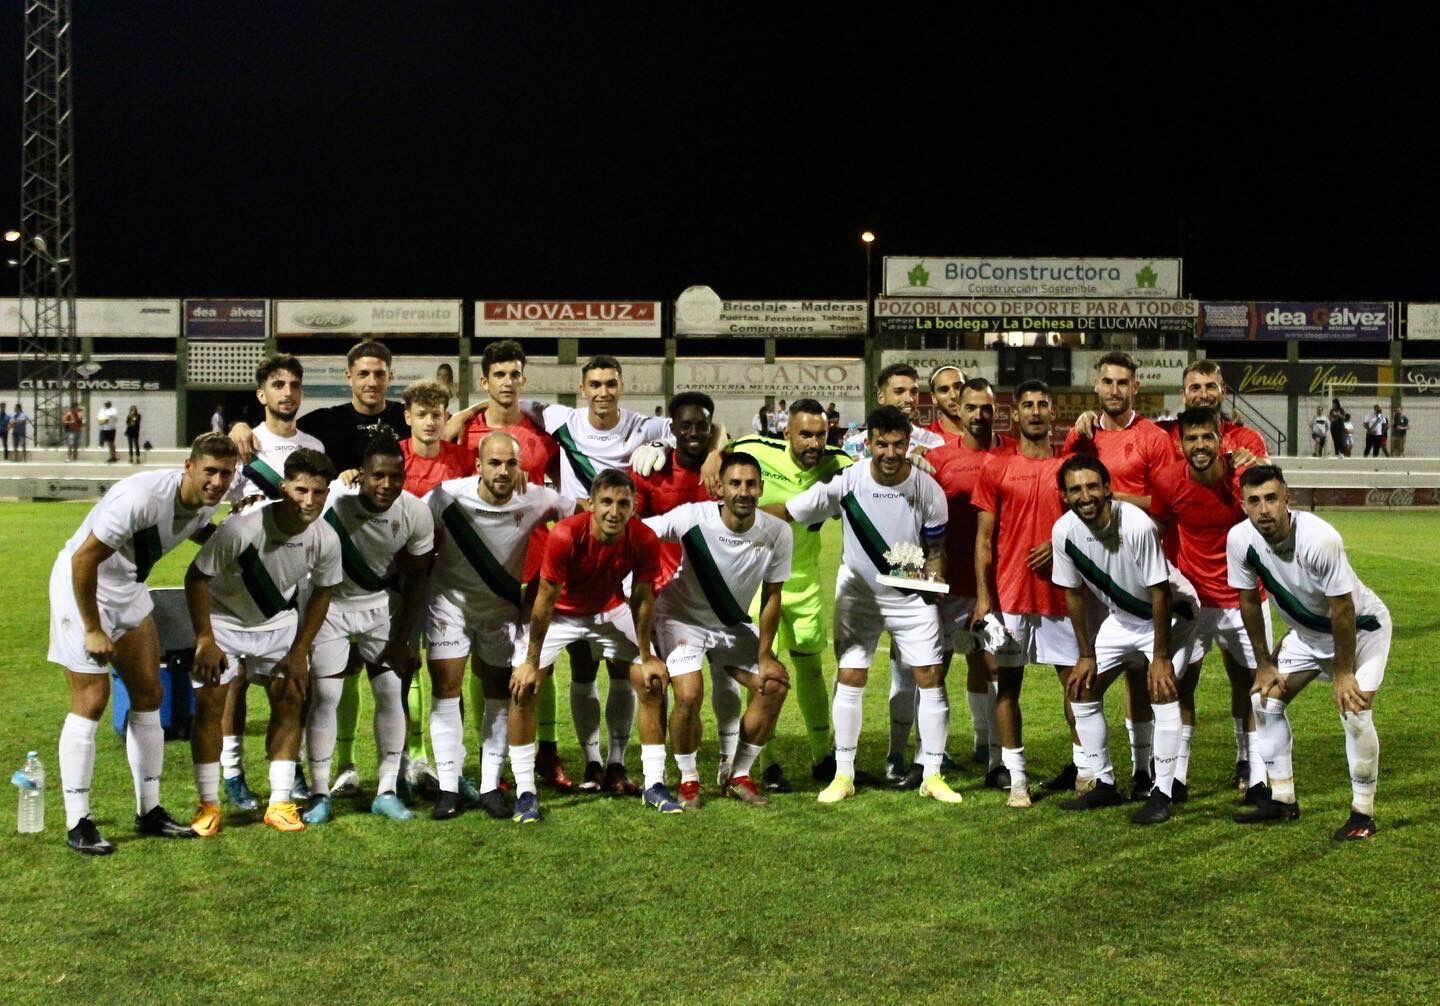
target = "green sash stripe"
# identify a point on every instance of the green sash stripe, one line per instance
(147, 551)
(584, 469)
(865, 532)
(1293, 608)
(263, 592)
(350, 558)
(707, 572)
(496, 576)
(1127, 603)
(265, 478)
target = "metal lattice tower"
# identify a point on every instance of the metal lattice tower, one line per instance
(48, 350)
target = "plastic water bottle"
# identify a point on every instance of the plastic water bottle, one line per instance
(30, 781)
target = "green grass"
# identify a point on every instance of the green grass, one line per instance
(887, 898)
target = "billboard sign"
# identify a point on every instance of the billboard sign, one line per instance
(106, 374)
(227, 319)
(787, 318)
(1285, 321)
(1422, 321)
(791, 379)
(567, 319)
(1267, 377)
(960, 315)
(367, 317)
(911, 276)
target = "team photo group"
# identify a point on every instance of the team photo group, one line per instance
(449, 559)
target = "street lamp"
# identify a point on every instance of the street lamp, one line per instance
(867, 238)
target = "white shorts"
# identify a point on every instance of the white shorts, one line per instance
(1372, 650)
(1116, 641)
(258, 649)
(860, 617)
(67, 631)
(1034, 639)
(683, 647)
(1225, 626)
(369, 630)
(611, 632)
(955, 634)
(493, 634)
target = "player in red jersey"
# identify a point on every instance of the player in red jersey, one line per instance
(1018, 503)
(429, 458)
(663, 490)
(502, 366)
(1132, 449)
(1199, 499)
(1202, 385)
(970, 407)
(581, 597)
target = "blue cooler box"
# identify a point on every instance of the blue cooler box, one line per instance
(177, 651)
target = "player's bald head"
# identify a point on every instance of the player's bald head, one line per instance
(498, 441)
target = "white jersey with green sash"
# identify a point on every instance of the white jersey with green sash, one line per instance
(1301, 574)
(876, 517)
(261, 475)
(1119, 565)
(141, 518)
(585, 450)
(721, 569)
(481, 559)
(369, 542)
(256, 569)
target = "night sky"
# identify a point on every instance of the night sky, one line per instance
(533, 150)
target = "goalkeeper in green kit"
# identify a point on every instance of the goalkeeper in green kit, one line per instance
(791, 464)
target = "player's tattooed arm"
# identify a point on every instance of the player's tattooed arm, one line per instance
(209, 661)
(202, 533)
(455, 425)
(1348, 696)
(642, 609)
(1082, 676)
(244, 437)
(85, 579)
(984, 560)
(1267, 678)
(770, 610)
(1162, 672)
(526, 678)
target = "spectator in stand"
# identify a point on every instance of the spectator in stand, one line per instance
(1338, 418)
(74, 423)
(217, 419)
(1376, 426)
(1399, 428)
(1319, 430)
(19, 422)
(779, 419)
(761, 423)
(106, 419)
(445, 375)
(5, 430)
(833, 434)
(1165, 416)
(132, 434)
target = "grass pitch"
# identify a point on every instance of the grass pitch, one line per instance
(886, 898)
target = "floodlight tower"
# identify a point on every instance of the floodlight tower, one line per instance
(44, 247)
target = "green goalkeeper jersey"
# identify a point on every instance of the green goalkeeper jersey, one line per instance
(784, 480)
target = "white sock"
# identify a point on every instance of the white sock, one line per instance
(1167, 744)
(1257, 764)
(745, 759)
(846, 713)
(145, 748)
(686, 764)
(389, 729)
(232, 755)
(321, 729)
(207, 781)
(1243, 750)
(1094, 740)
(1182, 760)
(494, 738)
(522, 763)
(652, 763)
(902, 706)
(619, 719)
(1275, 746)
(725, 701)
(585, 710)
(1142, 745)
(447, 736)
(934, 719)
(282, 781)
(1362, 750)
(1077, 758)
(1014, 761)
(77, 766)
(982, 706)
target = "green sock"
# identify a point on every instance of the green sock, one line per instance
(419, 704)
(807, 676)
(347, 714)
(545, 712)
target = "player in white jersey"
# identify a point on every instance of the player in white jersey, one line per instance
(476, 599)
(1338, 628)
(242, 592)
(730, 551)
(885, 502)
(387, 542)
(100, 616)
(1112, 548)
(280, 389)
